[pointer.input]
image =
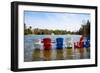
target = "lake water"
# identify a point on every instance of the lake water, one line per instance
(34, 51)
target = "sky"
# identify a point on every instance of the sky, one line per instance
(55, 20)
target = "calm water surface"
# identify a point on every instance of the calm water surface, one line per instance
(32, 42)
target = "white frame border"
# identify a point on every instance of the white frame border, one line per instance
(22, 64)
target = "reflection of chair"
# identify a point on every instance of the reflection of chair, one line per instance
(59, 43)
(46, 43)
(59, 54)
(87, 42)
(47, 55)
(79, 44)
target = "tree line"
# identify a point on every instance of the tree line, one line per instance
(84, 30)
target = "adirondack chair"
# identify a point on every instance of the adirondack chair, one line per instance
(87, 42)
(47, 43)
(69, 42)
(80, 43)
(36, 55)
(59, 43)
(37, 43)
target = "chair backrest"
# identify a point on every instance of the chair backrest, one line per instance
(69, 42)
(46, 41)
(80, 43)
(59, 43)
(81, 39)
(37, 43)
(87, 42)
(59, 40)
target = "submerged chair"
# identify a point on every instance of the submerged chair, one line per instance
(59, 43)
(37, 43)
(80, 43)
(47, 49)
(79, 46)
(47, 43)
(87, 42)
(59, 48)
(69, 42)
(36, 54)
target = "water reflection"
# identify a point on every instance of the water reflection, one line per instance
(47, 55)
(36, 55)
(60, 49)
(69, 53)
(60, 54)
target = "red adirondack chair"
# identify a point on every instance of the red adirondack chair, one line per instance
(80, 43)
(47, 43)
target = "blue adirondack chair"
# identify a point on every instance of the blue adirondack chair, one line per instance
(87, 42)
(59, 43)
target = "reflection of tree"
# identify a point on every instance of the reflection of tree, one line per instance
(84, 30)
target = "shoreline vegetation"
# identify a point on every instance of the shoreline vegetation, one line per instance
(84, 30)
